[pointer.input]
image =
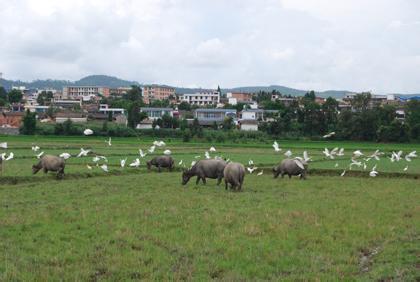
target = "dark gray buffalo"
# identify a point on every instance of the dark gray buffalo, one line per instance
(234, 174)
(161, 161)
(50, 163)
(291, 167)
(205, 168)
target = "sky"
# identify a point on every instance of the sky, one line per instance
(356, 45)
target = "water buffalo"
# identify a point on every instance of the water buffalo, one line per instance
(205, 168)
(291, 167)
(234, 174)
(50, 163)
(161, 161)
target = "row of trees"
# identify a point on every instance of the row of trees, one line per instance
(361, 122)
(13, 96)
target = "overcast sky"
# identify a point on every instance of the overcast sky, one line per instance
(320, 44)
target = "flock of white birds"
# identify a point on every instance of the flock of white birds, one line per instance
(358, 159)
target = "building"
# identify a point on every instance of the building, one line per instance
(211, 116)
(37, 108)
(156, 92)
(202, 98)
(66, 104)
(256, 114)
(156, 113)
(86, 93)
(145, 124)
(287, 101)
(237, 97)
(248, 125)
(119, 91)
(105, 109)
(61, 117)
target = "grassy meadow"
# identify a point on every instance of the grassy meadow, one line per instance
(130, 224)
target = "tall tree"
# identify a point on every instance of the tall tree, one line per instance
(15, 96)
(29, 123)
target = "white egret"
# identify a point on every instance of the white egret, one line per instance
(306, 157)
(159, 143)
(288, 153)
(88, 167)
(152, 149)
(142, 154)
(251, 169)
(343, 173)
(340, 152)
(212, 149)
(373, 172)
(406, 168)
(109, 141)
(327, 153)
(411, 155)
(207, 155)
(136, 163)
(122, 162)
(250, 162)
(39, 155)
(260, 173)
(3, 145)
(104, 167)
(329, 135)
(65, 155)
(11, 155)
(35, 148)
(88, 131)
(357, 153)
(276, 146)
(83, 153)
(180, 163)
(167, 152)
(193, 163)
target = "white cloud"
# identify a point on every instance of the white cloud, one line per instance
(348, 44)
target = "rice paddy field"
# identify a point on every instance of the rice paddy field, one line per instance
(134, 224)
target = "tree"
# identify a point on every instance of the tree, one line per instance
(134, 117)
(413, 118)
(134, 94)
(44, 97)
(330, 109)
(310, 96)
(184, 106)
(3, 96)
(360, 102)
(29, 123)
(15, 96)
(228, 123)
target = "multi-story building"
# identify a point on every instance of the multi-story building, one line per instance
(237, 97)
(202, 98)
(157, 92)
(211, 116)
(155, 113)
(119, 91)
(86, 93)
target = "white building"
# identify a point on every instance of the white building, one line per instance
(86, 93)
(105, 109)
(202, 98)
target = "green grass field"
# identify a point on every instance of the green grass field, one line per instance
(132, 224)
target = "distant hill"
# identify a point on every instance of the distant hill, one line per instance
(104, 80)
(111, 81)
(100, 80)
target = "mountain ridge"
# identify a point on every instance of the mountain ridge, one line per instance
(112, 81)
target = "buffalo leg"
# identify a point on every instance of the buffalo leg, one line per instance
(198, 180)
